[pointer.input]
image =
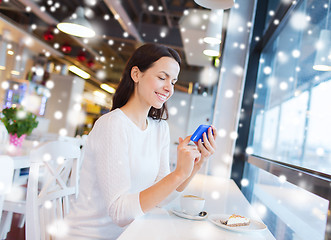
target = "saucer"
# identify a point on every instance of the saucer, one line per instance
(254, 225)
(179, 213)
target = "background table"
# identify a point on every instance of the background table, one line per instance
(222, 197)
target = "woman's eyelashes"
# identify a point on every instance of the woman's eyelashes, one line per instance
(164, 78)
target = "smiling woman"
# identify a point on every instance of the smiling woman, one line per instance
(126, 166)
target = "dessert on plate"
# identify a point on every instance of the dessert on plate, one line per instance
(236, 221)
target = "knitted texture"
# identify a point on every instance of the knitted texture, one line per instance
(120, 161)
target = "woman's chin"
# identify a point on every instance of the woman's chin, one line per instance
(158, 106)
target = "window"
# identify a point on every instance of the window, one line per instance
(291, 112)
(288, 169)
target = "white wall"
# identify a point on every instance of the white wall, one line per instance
(186, 113)
(65, 98)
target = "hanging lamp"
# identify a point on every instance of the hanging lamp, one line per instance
(212, 50)
(214, 29)
(215, 4)
(77, 26)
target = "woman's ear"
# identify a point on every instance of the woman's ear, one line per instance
(135, 73)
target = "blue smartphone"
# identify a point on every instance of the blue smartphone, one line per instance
(198, 133)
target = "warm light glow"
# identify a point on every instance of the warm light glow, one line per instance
(322, 68)
(99, 94)
(211, 53)
(79, 72)
(76, 30)
(15, 72)
(10, 52)
(107, 88)
(190, 88)
(2, 68)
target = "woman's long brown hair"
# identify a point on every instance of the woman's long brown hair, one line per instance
(144, 57)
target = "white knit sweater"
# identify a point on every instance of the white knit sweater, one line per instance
(120, 161)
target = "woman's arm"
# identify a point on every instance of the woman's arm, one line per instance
(186, 156)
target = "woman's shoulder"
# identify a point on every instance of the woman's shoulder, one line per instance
(114, 116)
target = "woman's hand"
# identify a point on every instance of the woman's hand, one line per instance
(207, 148)
(187, 156)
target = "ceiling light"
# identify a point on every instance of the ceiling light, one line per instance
(77, 26)
(212, 50)
(79, 72)
(14, 72)
(107, 88)
(214, 29)
(215, 4)
(10, 52)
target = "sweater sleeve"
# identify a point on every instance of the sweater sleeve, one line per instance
(164, 158)
(113, 171)
(164, 162)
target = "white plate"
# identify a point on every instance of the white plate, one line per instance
(254, 225)
(184, 215)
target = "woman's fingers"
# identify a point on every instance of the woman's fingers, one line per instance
(184, 142)
(212, 134)
(204, 151)
(208, 146)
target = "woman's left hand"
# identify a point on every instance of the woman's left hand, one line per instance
(207, 148)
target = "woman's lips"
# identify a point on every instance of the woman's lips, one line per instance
(162, 97)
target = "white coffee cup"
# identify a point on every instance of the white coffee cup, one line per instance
(191, 204)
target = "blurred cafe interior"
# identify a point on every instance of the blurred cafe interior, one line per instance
(263, 80)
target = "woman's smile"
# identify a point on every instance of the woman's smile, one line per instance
(162, 97)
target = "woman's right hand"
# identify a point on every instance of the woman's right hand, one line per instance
(187, 155)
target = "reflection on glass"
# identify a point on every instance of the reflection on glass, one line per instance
(290, 212)
(291, 112)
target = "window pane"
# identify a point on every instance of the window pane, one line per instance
(292, 109)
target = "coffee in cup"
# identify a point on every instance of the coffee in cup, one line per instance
(191, 204)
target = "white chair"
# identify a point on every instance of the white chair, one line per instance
(55, 165)
(51, 203)
(4, 136)
(6, 178)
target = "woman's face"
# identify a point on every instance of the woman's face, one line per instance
(156, 85)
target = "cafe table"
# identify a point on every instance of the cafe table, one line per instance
(222, 197)
(20, 155)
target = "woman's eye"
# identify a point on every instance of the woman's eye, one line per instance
(161, 78)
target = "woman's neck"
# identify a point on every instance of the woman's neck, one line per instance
(136, 113)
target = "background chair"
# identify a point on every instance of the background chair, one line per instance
(48, 206)
(6, 178)
(4, 136)
(52, 182)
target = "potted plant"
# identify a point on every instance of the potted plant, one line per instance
(18, 123)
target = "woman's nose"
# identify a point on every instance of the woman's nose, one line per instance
(168, 86)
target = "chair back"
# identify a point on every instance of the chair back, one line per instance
(57, 164)
(3, 134)
(81, 142)
(6, 178)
